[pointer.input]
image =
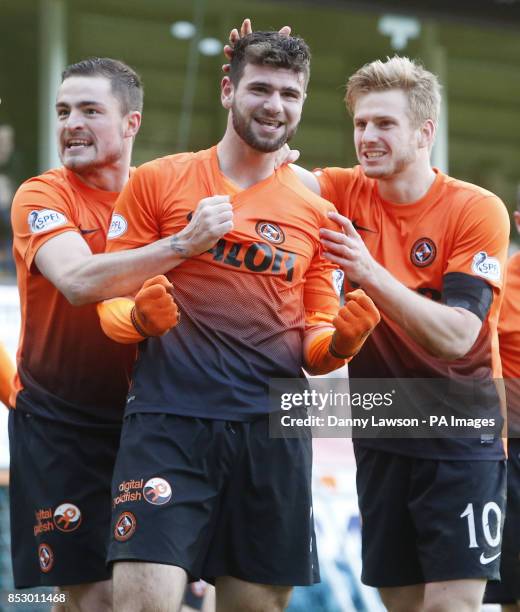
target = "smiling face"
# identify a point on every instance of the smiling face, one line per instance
(91, 130)
(266, 105)
(386, 141)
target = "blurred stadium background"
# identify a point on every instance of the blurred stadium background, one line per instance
(473, 45)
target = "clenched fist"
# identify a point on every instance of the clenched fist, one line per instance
(155, 311)
(354, 323)
(212, 219)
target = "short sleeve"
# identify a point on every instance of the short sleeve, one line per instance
(40, 211)
(481, 241)
(509, 322)
(323, 282)
(337, 185)
(135, 221)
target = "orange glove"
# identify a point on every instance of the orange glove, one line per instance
(155, 311)
(353, 323)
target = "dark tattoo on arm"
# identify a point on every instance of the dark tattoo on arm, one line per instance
(177, 247)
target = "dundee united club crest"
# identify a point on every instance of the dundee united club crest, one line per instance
(423, 252)
(270, 231)
(45, 557)
(125, 527)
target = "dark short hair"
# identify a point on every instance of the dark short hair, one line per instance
(125, 82)
(270, 49)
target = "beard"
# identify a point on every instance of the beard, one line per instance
(244, 128)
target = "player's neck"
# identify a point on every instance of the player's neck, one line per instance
(108, 178)
(408, 186)
(241, 163)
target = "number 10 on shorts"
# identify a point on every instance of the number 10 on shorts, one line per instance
(492, 540)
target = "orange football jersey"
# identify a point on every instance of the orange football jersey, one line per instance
(67, 368)
(509, 340)
(243, 302)
(454, 227)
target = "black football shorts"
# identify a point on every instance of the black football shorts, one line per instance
(217, 498)
(60, 502)
(429, 520)
(507, 591)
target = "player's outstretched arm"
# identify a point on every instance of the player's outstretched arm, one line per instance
(444, 331)
(328, 347)
(68, 263)
(152, 313)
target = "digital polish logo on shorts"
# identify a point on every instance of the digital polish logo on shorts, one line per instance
(44, 521)
(423, 252)
(128, 491)
(157, 491)
(270, 231)
(125, 527)
(45, 558)
(67, 517)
